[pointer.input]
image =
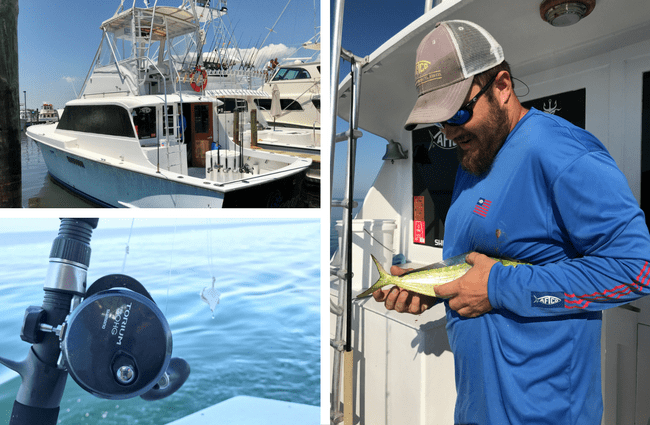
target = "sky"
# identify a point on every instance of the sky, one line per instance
(366, 26)
(57, 41)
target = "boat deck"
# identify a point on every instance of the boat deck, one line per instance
(246, 410)
(314, 158)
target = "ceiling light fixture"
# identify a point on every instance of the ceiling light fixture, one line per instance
(562, 13)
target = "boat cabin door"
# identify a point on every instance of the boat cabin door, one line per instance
(199, 131)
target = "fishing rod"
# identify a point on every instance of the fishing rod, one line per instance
(111, 338)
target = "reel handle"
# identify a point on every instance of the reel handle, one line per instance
(176, 375)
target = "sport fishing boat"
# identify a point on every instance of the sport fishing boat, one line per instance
(246, 410)
(586, 61)
(144, 133)
(292, 111)
(298, 87)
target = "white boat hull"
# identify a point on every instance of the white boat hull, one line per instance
(112, 186)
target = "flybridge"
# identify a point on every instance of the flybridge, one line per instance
(147, 51)
(158, 23)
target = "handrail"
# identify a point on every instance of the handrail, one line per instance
(344, 305)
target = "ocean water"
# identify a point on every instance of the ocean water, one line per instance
(337, 215)
(263, 341)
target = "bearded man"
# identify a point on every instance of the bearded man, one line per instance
(525, 339)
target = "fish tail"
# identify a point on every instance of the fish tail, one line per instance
(384, 279)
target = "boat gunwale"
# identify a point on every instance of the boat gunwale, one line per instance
(296, 166)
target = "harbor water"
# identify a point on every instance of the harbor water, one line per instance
(264, 338)
(39, 190)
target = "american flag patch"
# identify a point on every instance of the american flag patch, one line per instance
(482, 207)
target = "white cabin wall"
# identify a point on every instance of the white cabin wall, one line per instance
(391, 197)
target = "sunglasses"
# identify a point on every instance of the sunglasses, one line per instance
(464, 114)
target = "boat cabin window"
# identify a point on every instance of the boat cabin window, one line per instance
(201, 119)
(285, 104)
(645, 147)
(286, 74)
(112, 120)
(434, 172)
(145, 122)
(229, 105)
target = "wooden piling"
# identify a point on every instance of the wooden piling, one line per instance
(253, 128)
(10, 167)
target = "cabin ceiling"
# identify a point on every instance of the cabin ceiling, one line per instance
(530, 44)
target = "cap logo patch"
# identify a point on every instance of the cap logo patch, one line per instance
(426, 78)
(422, 66)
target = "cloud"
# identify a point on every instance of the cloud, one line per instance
(70, 79)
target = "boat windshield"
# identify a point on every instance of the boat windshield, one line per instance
(285, 74)
(112, 120)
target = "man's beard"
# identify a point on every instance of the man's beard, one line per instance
(490, 138)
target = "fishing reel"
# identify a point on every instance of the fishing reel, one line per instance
(111, 338)
(116, 344)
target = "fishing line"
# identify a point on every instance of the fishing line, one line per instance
(126, 249)
(169, 276)
(209, 294)
(378, 241)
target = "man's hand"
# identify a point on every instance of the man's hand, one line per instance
(402, 300)
(468, 295)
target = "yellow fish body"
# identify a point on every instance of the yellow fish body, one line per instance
(423, 281)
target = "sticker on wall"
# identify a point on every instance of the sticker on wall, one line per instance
(569, 105)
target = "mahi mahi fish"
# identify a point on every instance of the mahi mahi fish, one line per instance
(424, 280)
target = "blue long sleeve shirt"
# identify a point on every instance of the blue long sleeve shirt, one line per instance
(556, 199)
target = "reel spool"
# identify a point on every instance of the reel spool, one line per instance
(116, 344)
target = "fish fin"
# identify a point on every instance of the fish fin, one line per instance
(382, 281)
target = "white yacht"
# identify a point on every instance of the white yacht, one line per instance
(298, 85)
(596, 73)
(144, 132)
(47, 113)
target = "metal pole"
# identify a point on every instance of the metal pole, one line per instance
(10, 167)
(335, 58)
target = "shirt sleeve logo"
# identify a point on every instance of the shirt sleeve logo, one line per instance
(482, 207)
(546, 299)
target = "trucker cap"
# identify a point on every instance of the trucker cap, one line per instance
(447, 59)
